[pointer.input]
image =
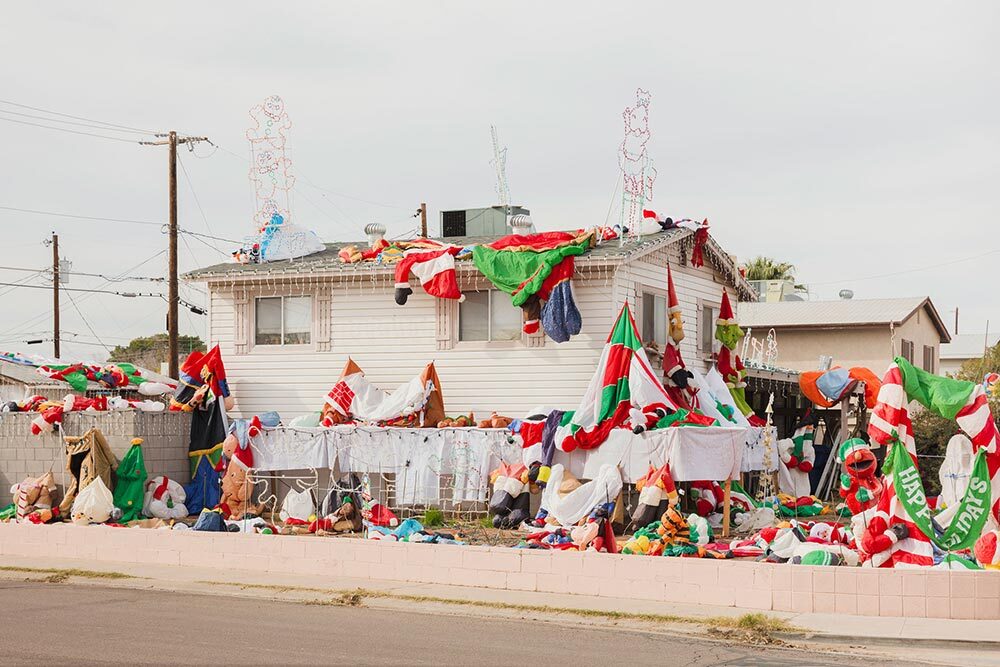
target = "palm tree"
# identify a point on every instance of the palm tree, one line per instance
(767, 268)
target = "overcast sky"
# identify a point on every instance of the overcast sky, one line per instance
(853, 139)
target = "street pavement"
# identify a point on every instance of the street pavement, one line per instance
(57, 624)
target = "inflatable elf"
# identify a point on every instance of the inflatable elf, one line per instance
(729, 334)
(676, 372)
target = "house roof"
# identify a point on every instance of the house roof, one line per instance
(26, 375)
(328, 261)
(968, 346)
(838, 314)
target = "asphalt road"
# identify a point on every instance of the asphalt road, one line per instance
(57, 624)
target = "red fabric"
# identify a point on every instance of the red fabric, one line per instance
(590, 439)
(531, 433)
(538, 242)
(697, 253)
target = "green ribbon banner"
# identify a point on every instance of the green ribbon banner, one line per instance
(968, 521)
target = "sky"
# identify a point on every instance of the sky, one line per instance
(859, 141)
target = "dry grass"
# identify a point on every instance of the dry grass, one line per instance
(757, 628)
(58, 575)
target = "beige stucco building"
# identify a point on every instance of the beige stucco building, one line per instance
(864, 332)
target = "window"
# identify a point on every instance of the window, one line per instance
(654, 319)
(706, 328)
(929, 358)
(906, 350)
(488, 316)
(283, 320)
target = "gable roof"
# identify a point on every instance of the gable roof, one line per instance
(328, 262)
(838, 314)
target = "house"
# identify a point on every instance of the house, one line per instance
(286, 329)
(18, 382)
(964, 347)
(863, 332)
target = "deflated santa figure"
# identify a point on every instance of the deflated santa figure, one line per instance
(677, 375)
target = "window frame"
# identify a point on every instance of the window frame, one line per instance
(486, 344)
(928, 359)
(311, 330)
(905, 344)
(655, 293)
(707, 354)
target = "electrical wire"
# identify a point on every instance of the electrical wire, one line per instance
(66, 115)
(81, 289)
(80, 217)
(86, 322)
(113, 279)
(194, 194)
(63, 129)
(899, 273)
(20, 282)
(32, 321)
(71, 122)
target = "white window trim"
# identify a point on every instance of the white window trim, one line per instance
(523, 341)
(654, 291)
(310, 346)
(707, 355)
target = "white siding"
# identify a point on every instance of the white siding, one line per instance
(393, 343)
(691, 284)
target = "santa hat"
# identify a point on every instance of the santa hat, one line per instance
(45, 422)
(673, 306)
(986, 550)
(255, 427)
(161, 489)
(435, 268)
(852, 445)
(243, 457)
(726, 316)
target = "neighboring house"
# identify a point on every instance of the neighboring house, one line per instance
(18, 382)
(286, 329)
(863, 332)
(964, 347)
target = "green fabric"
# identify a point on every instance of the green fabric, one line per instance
(799, 440)
(968, 522)
(728, 334)
(131, 484)
(8, 512)
(943, 395)
(725, 410)
(677, 417)
(508, 269)
(956, 562)
(735, 488)
(804, 510)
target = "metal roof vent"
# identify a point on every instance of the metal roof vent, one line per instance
(846, 294)
(375, 231)
(521, 223)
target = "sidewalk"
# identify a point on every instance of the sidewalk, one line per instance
(831, 628)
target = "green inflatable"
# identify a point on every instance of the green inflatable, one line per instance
(131, 483)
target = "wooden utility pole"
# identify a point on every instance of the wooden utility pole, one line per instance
(172, 350)
(423, 220)
(55, 295)
(172, 140)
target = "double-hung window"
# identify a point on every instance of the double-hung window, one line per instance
(488, 316)
(283, 320)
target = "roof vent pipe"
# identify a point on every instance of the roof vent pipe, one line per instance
(521, 224)
(375, 231)
(846, 294)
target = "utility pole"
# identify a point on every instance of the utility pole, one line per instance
(423, 220)
(55, 295)
(172, 140)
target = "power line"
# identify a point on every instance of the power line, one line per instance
(63, 129)
(899, 273)
(71, 122)
(80, 217)
(113, 279)
(66, 115)
(86, 322)
(32, 321)
(80, 289)
(195, 195)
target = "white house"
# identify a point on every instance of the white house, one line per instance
(286, 329)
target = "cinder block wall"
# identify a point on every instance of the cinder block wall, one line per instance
(165, 444)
